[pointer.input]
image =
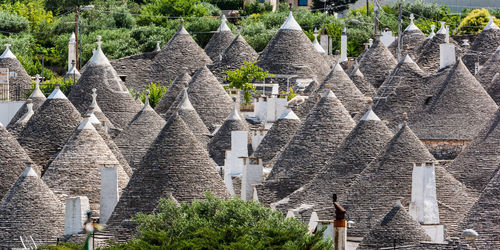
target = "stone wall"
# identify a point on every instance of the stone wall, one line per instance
(445, 150)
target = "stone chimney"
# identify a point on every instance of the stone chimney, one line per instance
(71, 50)
(446, 50)
(253, 170)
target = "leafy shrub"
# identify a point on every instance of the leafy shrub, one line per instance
(11, 22)
(219, 224)
(201, 29)
(156, 92)
(227, 4)
(243, 77)
(255, 8)
(159, 11)
(475, 21)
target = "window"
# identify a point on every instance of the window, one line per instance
(302, 2)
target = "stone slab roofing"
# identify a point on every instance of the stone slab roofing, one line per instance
(219, 41)
(136, 69)
(186, 111)
(311, 147)
(484, 216)
(221, 141)
(180, 53)
(362, 146)
(76, 170)
(411, 39)
(37, 99)
(446, 117)
(19, 84)
(209, 98)
(176, 164)
(390, 176)
(234, 56)
(13, 160)
(280, 133)
(428, 59)
(30, 208)
(290, 52)
(136, 138)
(397, 228)
(181, 82)
(484, 46)
(361, 82)
(377, 63)
(486, 75)
(403, 91)
(49, 128)
(114, 99)
(479, 161)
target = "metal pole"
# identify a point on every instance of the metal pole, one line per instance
(76, 37)
(43, 66)
(399, 31)
(367, 8)
(375, 32)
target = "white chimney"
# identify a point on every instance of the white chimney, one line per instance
(71, 50)
(75, 214)
(109, 192)
(423, 206)
(446, 50)
(343, 45)
(252, 174)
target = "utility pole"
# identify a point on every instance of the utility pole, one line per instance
(76, 37)
(399, 30)
(367, 8)
(375, 27)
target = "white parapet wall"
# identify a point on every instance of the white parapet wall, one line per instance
(109, 192)
(75, 214)
(446, 55)
(8, 110)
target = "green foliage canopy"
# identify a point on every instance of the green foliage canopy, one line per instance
(243, 77)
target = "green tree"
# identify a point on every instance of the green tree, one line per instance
(243, 77)
(475, 21)
(219, 224)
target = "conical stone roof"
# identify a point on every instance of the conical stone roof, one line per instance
(136, 69)
(181, 82)
(219, 41)
(363, 85)
(347, 92)
(477, 164)
(101, 117)
(358, 150)
(136, 138)
(13, 160)
(290, 52)
(484, 216)
(494, 89)
(377, 63)
(30, 209)
(76, 170)
(411, 39)
(176, 164)
(390, 175)
(113, 96)
(100, 122)
(428, 59)
(484, 46)
(489, 69)
(221, 141)
(234, 56)
(37, 99)
(15, 127)
(20, 84)
(403, 91)
(280, 133)
(457, 110)
(189, 115)
(209, 98)
(49, 128)
(310, 148)
(396, 228)
(181, 52)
